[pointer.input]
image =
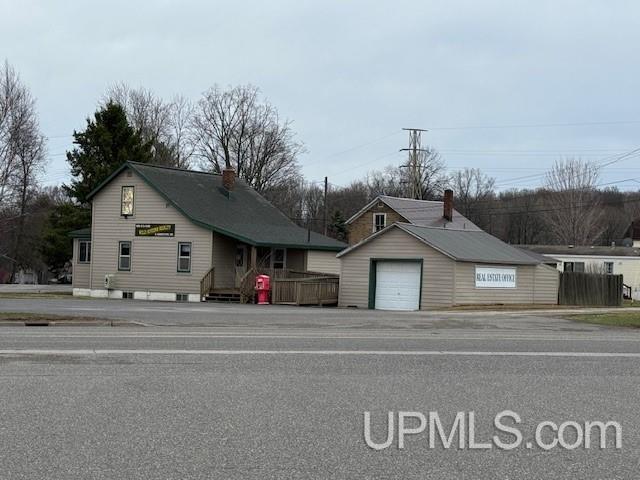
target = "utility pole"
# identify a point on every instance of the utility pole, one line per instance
(414, 165)
(326, 188)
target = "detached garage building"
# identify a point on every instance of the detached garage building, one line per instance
(413, 267)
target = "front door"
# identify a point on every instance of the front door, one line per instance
(241, 263)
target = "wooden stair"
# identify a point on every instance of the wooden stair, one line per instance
(224, 296)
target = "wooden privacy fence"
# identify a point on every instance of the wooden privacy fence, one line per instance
(595, 289)
(305, 291)
(293, 287)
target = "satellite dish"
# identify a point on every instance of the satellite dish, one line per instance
(627, 242)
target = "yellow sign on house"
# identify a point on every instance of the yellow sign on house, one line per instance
(155, 229)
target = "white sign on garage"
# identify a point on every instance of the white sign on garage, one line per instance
(494, 277)
(397, 285)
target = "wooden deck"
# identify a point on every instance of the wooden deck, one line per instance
(288, 287)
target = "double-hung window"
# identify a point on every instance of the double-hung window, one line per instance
(126, 201)
(184, 257)
(124, 256)
(379, 221)
(84, 251)
(608, 267)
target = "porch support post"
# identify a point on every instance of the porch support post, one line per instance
(253, 256)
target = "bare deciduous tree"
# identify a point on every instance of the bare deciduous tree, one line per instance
(233, 128)
(22, 158)
(428, 175)
(164, 124)
(426, 180)
(575, 213)
(473, 193)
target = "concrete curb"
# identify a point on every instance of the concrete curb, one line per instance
(71, 323)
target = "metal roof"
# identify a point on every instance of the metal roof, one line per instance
(243, 213)
(537, 256)
(602, 251)
(427, 213)
(461, 245)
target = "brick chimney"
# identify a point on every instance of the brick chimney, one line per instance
(448, 205)
(228, 179)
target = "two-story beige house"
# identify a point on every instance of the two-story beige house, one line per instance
(156, 232)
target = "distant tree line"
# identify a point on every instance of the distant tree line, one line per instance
(236, 128)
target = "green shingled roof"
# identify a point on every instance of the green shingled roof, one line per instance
(242, 213)
(82, 233)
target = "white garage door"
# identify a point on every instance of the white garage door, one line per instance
(397, 285)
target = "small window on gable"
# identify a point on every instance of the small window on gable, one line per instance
(379, 221)
(184, 257)
(84, 251)
(126, 201)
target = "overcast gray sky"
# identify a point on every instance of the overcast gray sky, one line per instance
(349, 73)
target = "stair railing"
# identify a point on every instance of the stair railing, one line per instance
(206, 284)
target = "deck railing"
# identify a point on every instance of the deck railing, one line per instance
(247, 286)
(312, 290)
(288, 287)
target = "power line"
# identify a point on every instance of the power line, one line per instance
(538, 125)
(350, 149)
(364, 164)
(606, 161)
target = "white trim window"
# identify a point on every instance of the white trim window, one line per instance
(608, 267)
(278, 258)
(574, 267)
(126, 200)
(184, 257)
(84, 251)
(379, 221)
(124, 256)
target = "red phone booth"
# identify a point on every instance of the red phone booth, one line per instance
(263, 285)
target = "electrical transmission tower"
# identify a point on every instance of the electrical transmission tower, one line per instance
(414, 164)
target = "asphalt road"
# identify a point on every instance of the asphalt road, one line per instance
(253, 317)
(288, 401)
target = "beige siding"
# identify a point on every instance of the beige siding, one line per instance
(321, 261)
(546, 285)
(154, 259)
(437, 274)
(529, 280)
(81, 271)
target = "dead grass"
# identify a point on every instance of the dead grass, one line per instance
(502, 306)
(22, 317)
(43, 295)
(621, 319)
